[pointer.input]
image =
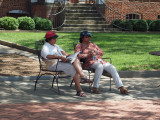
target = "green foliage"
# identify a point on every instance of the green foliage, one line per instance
(9, 23)
(148, 22)
(26, 23)
(136, 25)
(133, 23)
(116, 23)
(141, 25)
(44, 24)
(155, 26)
(36, 20)
(126, 25)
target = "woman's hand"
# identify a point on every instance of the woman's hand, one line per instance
(64, 59)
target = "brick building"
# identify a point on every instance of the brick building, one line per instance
(130, 9)
(134, 9)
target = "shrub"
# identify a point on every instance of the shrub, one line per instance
(148, 22)
(26, 23)
(126, 25)
(133, 22)
(155, 25)
(44, 24)
(9, 23)
(141, 25)
(116, 23)
(36, 20)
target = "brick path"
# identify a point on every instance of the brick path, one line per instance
(95, 110)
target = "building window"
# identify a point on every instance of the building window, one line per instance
(33, 1)
(158, 17)
(49, 1)
(17, 13)
(133, 17)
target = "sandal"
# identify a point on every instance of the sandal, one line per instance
(96, 91)
(85, 80)
(124, 91)
(81, 93)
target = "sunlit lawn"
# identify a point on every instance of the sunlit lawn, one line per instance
(129, 51)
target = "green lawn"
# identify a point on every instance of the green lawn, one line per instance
(129, 51)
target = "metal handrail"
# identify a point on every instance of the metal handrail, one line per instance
(102, 8)
(59, 17)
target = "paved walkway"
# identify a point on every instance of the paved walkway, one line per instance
(18, 101)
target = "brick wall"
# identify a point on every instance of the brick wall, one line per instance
(147, 10)
(38, 10)
(35, 9)
(8, 5)
(43, 11)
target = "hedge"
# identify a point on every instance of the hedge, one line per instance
(26, 23)
(44, 24)
(154, 26)
(141, 25)
(9, 23)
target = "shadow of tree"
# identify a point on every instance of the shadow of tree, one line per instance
(137, 110)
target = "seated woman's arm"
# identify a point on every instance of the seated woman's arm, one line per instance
(98, 51)
(65, 54)
(82, 55)
(45, 53)
(53, 57)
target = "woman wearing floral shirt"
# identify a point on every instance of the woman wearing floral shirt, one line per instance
(88, 50)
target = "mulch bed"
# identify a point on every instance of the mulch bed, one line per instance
(17, 65)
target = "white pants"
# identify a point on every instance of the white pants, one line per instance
(110, 69)
(68, 68)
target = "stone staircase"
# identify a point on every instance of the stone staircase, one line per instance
(81, 17)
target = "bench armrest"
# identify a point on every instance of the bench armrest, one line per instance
(110, 59)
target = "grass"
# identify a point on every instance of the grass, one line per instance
(129, 51)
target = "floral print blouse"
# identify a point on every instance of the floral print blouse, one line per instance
(86, 50)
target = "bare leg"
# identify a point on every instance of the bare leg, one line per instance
(76, 80)
(79, 71)
(78, 68)
(79, 89)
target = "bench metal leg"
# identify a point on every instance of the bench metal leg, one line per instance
(57, 84)
(90, 84)
(38, 77)
(56, 78)
(110, 84)
(71, 83)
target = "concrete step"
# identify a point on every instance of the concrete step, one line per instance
(84, 22)
(78, 29)
(81, 8)
(83, 15)
(81, 11)
(79, 5)
(85, 18)
(87, 25)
